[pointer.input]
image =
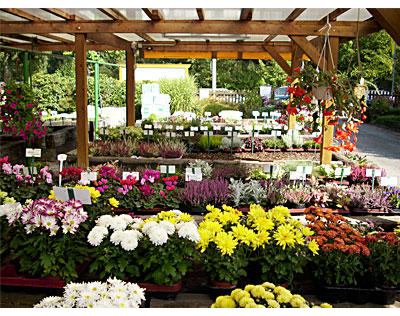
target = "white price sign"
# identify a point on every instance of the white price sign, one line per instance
(204, 128)
(238, 128)
(346, 172)
(134, 175)
(256, 113)
(271, 168)
(179, 128)
(169, 127)
(216, 128)
(373, 172)
(148, 132)
(304, 169)
(207, 113)
(25, 170)
(293, 132)
(208, 133)
(276, 133)
(170, 169)
(193, 174)
(264, 114)
(389, 181)
(194, 128)
(33, 152)
(147, 126)
(228, 128)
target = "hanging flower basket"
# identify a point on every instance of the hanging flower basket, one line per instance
(321, 92)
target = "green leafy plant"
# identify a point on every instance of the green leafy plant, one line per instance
(215, 141)
(269, 143)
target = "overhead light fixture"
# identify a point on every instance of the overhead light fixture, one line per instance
(206, 36)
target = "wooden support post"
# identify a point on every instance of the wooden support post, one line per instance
(328, 130)
(130, 86)
(297, 55)
(81, 101)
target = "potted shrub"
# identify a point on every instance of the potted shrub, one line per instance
(266, 295)
(246, 193)
(293, 143)
(198, 194)
(298, 197)
(258, 144)
(156, 252)
(230, 171)
(271, 145)
(394, 199)
(147, 149)
(311, 146)
(215, 143)
(227, 142)
(171, 149)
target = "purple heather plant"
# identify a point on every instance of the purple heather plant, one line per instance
(298, 195)
(147, 149)
(258, 143)
(171, 149)
(227, 172)
(358, 173)
(209, 191)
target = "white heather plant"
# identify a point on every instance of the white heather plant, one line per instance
(226, 142)
(111, 294)
(206, 168)
(246, 193)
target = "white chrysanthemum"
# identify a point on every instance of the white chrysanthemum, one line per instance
(118, 223)
(114, 282)
(104, 220)
(189, 231)
(54, 229)
(50, 301)
(127, 218)
(158, 236)
(147, 226)
(96, 235)
(118, 293)
(136, 223)
(116, 237)
(136, 293)
(176, 212)
(103, 303)
(129, 241)
(13, 211)
(96, 287)
(29, 228)
(168, 226)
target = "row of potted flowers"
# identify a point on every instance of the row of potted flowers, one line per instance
(50, 238)
(153, 191)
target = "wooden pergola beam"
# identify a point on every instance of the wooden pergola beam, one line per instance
(61, 14)
(389, 19)
(295, 28)
(279, 59)
(309, 49)
(246, 14)
(27, 38)
(81, 102)
(200, 14)
(291, 17)
(334, 14)
(153, 14)
(108, 39)
(61, 47)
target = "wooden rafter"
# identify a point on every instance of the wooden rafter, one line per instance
(308, 48)
(334, 14)
(295, 28)
(389, 19)
(200, 14)
(26, 38)
(61, 47)
(153, 14)
(246, 14)
(292, 16)
(61, 14)
(279, 59)
(116, 15)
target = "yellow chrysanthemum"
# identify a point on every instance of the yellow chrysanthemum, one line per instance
(245, 300)
(185, 217)
(256, 211)
(251, 305)
(306, 230)
(257, 291)
(213, 305)
(235, 292)
(296, 302)
(268, 295)
(212, 226)
(248, 237)
(283, 298)
(326, 305)
(228, 217)
(281, 210)
(263, 223)
(262, 238)
(284, 236)
(239, 295)
(273, 304)
(295, 223)
(298, 296)
(280, 289)
(249, 287)
(313, 246)
(219, 300)
(298, 236)
(205, 238)
(226, 243)
(232, 210)
(316, 306)
(227, 302)
(113, 202)
(260, 306)
(268, 285)
(304, 306)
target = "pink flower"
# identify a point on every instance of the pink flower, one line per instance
(7, 168)
(163, 194)
(8, 91)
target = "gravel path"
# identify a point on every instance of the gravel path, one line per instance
(381, 146)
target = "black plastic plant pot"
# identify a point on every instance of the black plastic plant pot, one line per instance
(197, 210)
(385, 296)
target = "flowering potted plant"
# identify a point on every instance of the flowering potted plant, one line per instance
(271, 145)
(49, 238)
(158, 250)
(170, 149)
(284, 245)
(298, 196)
(266, 295)
(198, 194)
(223, 250)
(111, 294)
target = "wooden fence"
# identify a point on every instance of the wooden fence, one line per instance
(235, 96)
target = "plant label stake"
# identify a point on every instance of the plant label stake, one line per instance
(264, 115)
(30, 155)
(207, 114)
(342, 172)
(315, 135)
(167, 169)
(271, 169)
(305, 170)
(134, 175)
(256, 114)
(65, 194)
(193, 174)
(216, 128)
(388, 181)
(275, 134)
(373, 173)
(61, 158)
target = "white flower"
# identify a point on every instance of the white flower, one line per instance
(176, 212)
(168, 226)
(127, 218)
(118, 223)
(136, 223)
(158, 236)
(129, 240)
(189, 231)
(53, 230)
(48, 221)
(136, 292)
(104, 220)
(68, 229)
(147, 226)
(116, 237)
(96, 235)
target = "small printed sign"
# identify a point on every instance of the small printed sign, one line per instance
(208, 133)
(271, 168)
(148, 132)
(170, 169)
(61, 194)
(193, 174)
(264, 114)
(276, 133)
(256, 113)
(204, 128)
(389, 181)
(304, 169)
(194, 128)
(315, 134)
(33, 152)
(228, 128)
(134, 175)
(238, 128)
(293, 132)
(148, 126)
(346, 172)
(373, 172)
(158, 126)
(26, 171)
(62, 157)
(82, 195)
(179, 128)
(207, 114)
(216, 128)
(169, 126)
(234, 134)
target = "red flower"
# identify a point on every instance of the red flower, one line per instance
(292, 110)
(307, 99)
(296, 69)
(301, 118)
(288, 79)
(318, 140)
